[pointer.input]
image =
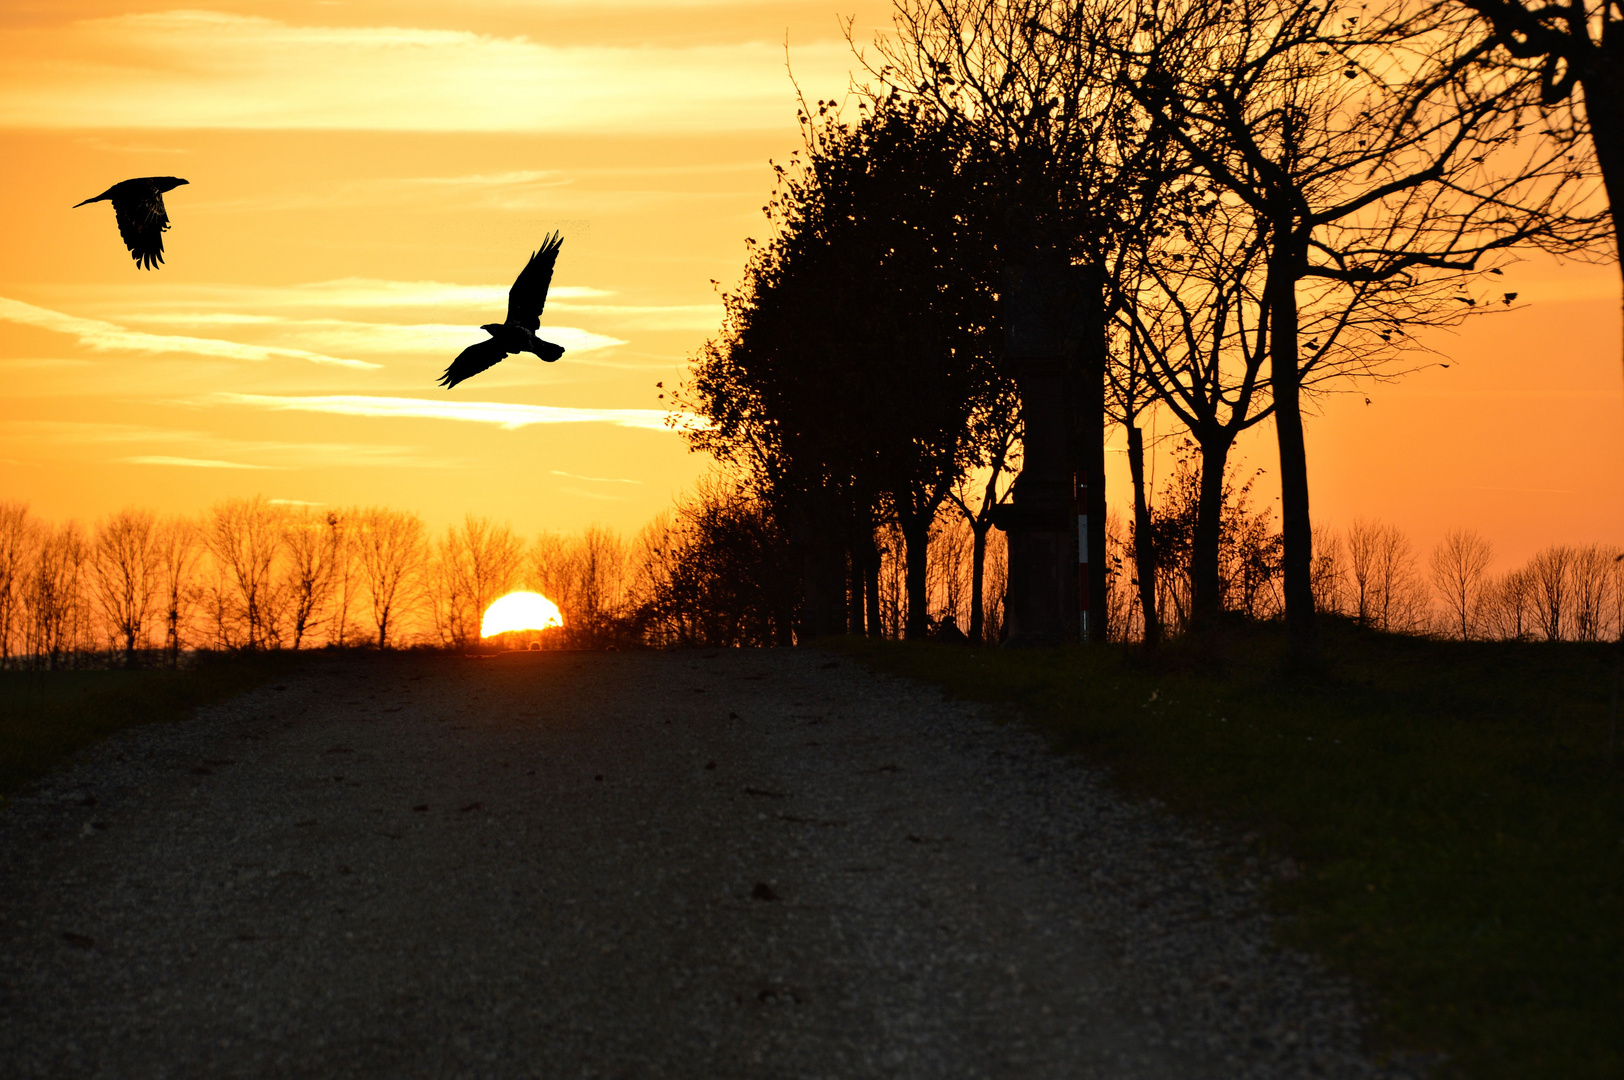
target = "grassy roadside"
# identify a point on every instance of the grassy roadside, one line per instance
(47, 715)
(1457, 820)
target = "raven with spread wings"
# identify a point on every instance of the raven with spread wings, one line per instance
(518, 334)
(139, 206)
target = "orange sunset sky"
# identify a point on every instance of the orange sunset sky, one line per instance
(367, 178)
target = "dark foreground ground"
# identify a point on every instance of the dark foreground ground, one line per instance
(751, 864)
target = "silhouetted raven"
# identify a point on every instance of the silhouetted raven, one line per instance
(139, 206)
(518, 334)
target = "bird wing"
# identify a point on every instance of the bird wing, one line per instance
(472, 360)
(142, 221)
(529, 293)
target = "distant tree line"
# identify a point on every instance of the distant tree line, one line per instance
(1263, 200)
(251, 575)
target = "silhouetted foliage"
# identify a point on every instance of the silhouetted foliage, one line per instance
(1577, 49)
(861, 347)
(1376, 180)
(720, 573)
(1248, 544)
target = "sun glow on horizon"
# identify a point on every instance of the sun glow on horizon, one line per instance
(520, 611)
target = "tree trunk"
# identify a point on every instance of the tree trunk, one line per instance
(871, 582)
(1285, 379)
(1091, 449)
(916, 537)
(978, 577)
(1207, 599)
(854, 589)
(1144, 539)
(823, 578)
(1603, 86)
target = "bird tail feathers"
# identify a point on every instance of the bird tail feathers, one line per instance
(548, 351)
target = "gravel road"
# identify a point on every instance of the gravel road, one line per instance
(739, 864)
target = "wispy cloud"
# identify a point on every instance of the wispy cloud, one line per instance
(482, 412)
(191, 463)
(203, 449)
(110, 337)
(594, 479)
(346, 335)
(519, 178)
(212, 69)
(352, 293)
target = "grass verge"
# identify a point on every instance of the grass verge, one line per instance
(47, 715)
(1454, 809)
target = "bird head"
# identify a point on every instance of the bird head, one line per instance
(169, 183)
(492, 328)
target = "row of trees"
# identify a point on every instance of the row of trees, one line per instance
(713, 571)
(1564, 593)
(1249, 203)
(250, 575)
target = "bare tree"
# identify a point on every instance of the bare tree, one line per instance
(1191, 308)
(311, 554)
(391, 555)
(244, 538)
(1551, 577)
(1387, 590)
(995, 587)
(952, 545)
(1589, 588)
(603, 572)
(178, 549)
(1618, 594)
(17, 540)
(343, 528)
(126, 577)
(1509, 604)
(1329, 576)
(1460, 565)
(1000, 460)
(57, 612)
(1379, 183)
(482, 562)
(554, 572)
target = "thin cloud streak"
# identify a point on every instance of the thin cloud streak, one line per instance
(594, 479)
(201, 69)
(351, 293)
(205, 446)
(386, 338)
(110, 337)
(191, 463)
(599, 495)
(508, 416)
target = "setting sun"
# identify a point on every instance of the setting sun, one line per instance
(520, 611)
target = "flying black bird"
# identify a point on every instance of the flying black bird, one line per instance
(518, 334)
(139, 206)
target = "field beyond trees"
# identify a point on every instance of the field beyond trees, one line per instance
(1440, 819)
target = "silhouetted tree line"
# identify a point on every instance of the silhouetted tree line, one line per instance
(251, 575)
(856, 383)
(1260, 201)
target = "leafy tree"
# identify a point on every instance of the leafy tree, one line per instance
(859, 347)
